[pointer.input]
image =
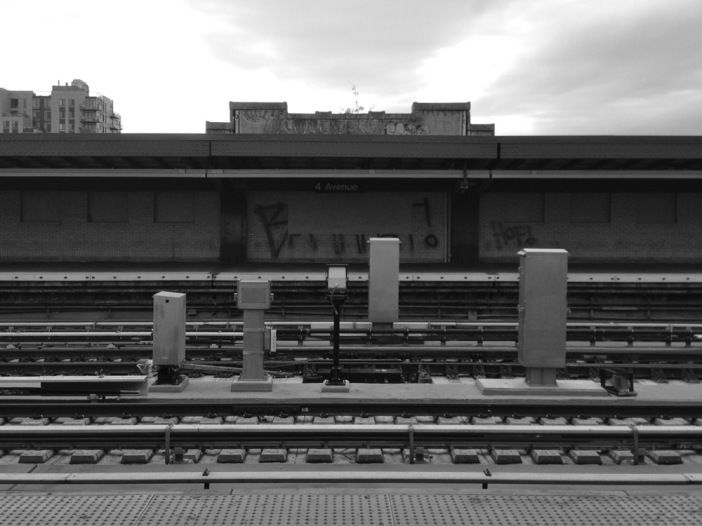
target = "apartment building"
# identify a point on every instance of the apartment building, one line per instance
(68, 109)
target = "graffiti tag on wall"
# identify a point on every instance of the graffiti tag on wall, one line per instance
(512, 236)
(272, 236)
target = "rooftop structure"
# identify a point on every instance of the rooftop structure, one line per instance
(69, 109)
(425, 119)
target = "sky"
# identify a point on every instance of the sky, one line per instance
(531, 67)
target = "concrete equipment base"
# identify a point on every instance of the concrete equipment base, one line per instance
(326, 388)
(170, 388)
(253, 385)
(519, 387)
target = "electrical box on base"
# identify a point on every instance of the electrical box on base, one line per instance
(254, 294)
(169, 328)
(543, 307)
(384, 280)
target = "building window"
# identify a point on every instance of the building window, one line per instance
(656, 208)
(14, 103)
(174, 207)
(108, 207)
(40, 207)
(589, 208)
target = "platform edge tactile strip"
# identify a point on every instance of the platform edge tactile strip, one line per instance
(71, 509)
(365, 507)
(581, 509)
(270, 508)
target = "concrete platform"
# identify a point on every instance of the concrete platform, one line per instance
(519, 387)
(443, 392)
(294, 391)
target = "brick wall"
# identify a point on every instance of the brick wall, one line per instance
(598, 227)
(67, 232)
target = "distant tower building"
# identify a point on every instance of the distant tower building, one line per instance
(441, 118)
(69, 109)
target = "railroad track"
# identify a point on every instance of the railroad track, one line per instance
(414, 443)
(408, 352)
(419, 299)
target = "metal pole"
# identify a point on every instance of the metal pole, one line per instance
(335, 376)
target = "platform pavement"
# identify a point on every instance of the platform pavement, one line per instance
(351, 504)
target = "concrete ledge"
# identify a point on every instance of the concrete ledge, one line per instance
(369, 456)
(35, 456)
(193, 455)
(326, 388)
(319, 455)
(170, 388)
(465, 456)
(546, 456)
(590, 421)
(29, 421)
(506, 456)
(119, 421)
(247, 386)
(486, 420)
(231, 456)
(665, 457)
(585, 456)
(519, 387)
(621, 456)
(553, 421)
(519, 421)
(87, 456)
(273, 455)
(69, 421)
(136, 456)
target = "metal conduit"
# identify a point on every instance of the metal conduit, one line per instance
(402, 477)
(111, 334)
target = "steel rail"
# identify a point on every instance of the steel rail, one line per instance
(357, 325)
(346, 435)
(405, 476)
(605, 407)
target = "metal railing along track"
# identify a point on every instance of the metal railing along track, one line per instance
(156, 436)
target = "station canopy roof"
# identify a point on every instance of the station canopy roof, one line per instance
(348, 152)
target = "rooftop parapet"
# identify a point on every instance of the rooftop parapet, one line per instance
(425, 119)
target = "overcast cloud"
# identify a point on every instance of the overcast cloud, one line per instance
(530, 67)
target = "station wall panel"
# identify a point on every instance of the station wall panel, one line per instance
(86, 226)
(596, 227)
(315, 226)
